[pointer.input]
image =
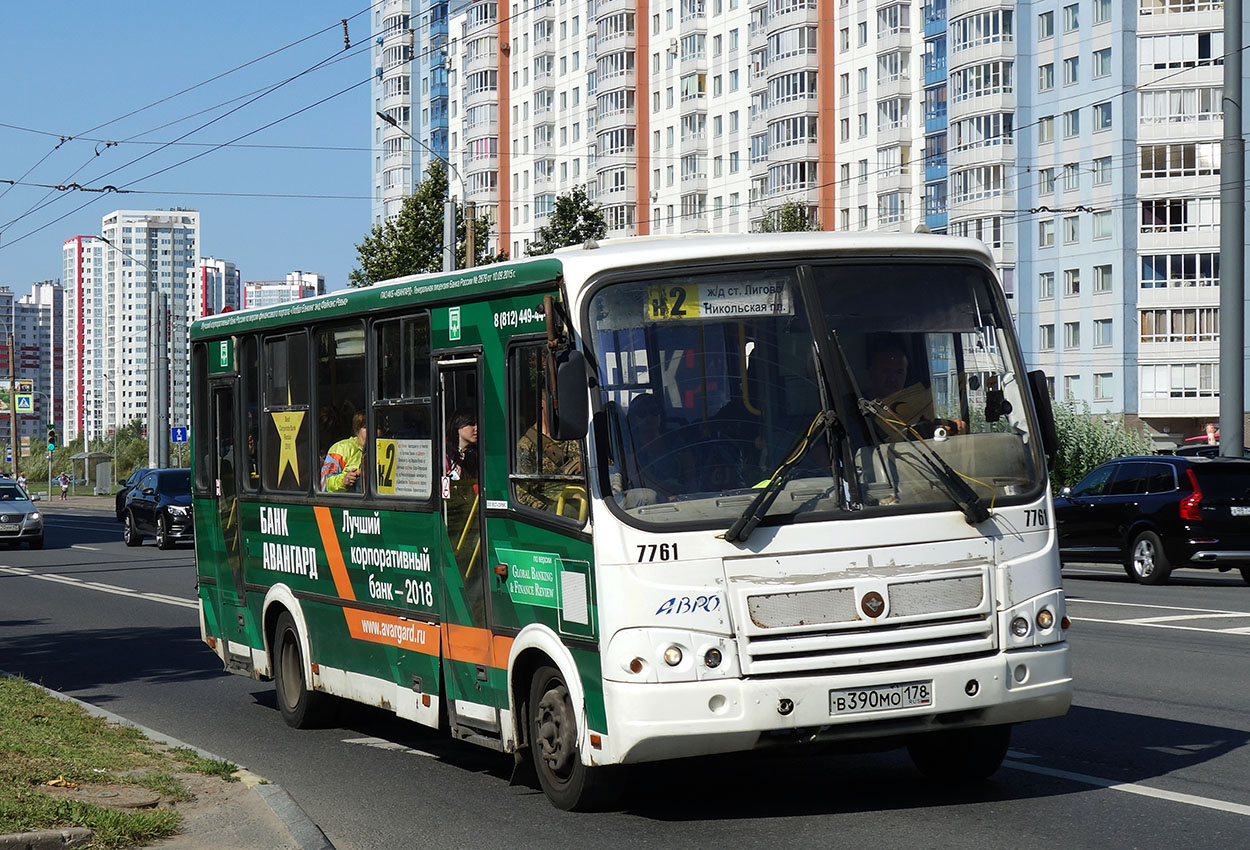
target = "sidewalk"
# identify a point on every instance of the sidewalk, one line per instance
(250, 814)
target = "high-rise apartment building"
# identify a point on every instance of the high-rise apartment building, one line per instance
(298, 284)
(35, 321)
(1079, 140)
(128, 295)
(216, 288)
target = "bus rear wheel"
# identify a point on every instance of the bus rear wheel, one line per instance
(301, 707)
(961, 755)
(568, 783)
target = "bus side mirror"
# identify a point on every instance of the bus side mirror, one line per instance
(1040, 391)
(568, 412)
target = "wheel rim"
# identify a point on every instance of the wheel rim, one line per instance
(556, 732)
(1144, 558)
(290, 670)
(162, 533)
(130, 528)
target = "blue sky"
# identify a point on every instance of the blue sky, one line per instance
(75, 68)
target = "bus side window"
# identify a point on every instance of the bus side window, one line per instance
(548, 474)
(341, 376)
(402, 446)
(285, 432)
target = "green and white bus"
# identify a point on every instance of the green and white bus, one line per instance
(642, 500)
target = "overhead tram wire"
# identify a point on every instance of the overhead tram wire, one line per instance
(337, 57)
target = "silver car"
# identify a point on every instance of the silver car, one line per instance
(19, 518)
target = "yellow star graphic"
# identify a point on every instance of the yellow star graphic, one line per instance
(288, 424)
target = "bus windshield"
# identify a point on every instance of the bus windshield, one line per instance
(846, 387)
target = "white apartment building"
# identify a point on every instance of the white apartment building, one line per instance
(298, 284)
(108, 281)
(215, 285)
(39, 335)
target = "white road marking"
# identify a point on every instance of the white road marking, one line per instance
(1167, 621)
(1133, 788)
(88, 548)
(103, 588)
(383, 744)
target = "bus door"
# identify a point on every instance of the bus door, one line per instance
(225, 460)
(474, 680)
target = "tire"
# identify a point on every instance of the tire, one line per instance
(568, 783)
(301, 708)
(130, 534)
(960, 755)
(1147, 562)
(36, 542)
(163, 538)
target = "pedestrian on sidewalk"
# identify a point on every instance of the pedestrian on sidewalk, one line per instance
(63, 480)
(21, 480)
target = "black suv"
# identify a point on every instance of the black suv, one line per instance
(160, 504)
(127, 486)
(1155, 514)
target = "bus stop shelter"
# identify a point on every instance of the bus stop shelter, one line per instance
(90, 462)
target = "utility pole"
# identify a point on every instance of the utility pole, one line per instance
(1232, 243)
(12, 398)
(470, 234)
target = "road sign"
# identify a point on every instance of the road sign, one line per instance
(25, 446)
(178, 434)
(25, 403)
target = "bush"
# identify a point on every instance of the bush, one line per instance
(1087, 439)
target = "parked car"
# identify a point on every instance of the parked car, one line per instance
(127, 485)
(1205, 450)
(1155, 514)
(159, 505)
(19, 518)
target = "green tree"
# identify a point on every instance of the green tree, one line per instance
(413, 242)
(790, 217)
(574, 220)
(1087, 439)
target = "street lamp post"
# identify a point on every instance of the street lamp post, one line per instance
(113, 384)
(449, 204)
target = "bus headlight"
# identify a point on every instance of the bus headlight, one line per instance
(669, 655)
(1032, 623)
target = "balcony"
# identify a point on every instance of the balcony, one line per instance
(1205, 408)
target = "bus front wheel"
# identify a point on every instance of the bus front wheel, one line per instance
(961, 755)
(567, 782)
(301, 707)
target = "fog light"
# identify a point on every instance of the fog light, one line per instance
(1045, 619)
(712, 658)
(672, 656)
(1021, 674)
(1020, 627)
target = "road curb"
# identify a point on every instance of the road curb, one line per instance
(304, 831)
(46, 839)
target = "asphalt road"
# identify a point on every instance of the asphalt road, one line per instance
(1153, 753)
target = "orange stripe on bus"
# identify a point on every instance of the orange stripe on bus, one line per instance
(472, 645)
(334, 557)
(393, 631)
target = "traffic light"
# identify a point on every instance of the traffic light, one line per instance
(51, 438)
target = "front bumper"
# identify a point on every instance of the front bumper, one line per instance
(20, 530)
(660, 721)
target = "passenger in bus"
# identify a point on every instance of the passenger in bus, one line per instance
(462, 445)
(559, 458)
(340, 472)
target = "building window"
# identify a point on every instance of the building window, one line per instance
(1046, 338)
(1071, 229)
(1046, 77)
(1102, 11)
(1071, 124)
(1046, 25)
(1046, 285)
(1102, 171)
(1072, 282)
(1102, 63)
(1071, 177)
(1046, 129)
(1046, 180)
(1102, 225)
(1102, 116)
(1102, 278)
(1046, 233)
(1071, 71)
(1071, 335)
(1071, 20)
(1071, 387)
(1102, 386)
(1102, 332)
(1180, 380)
(863, 217)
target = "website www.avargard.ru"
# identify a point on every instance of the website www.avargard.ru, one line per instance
(398, 632)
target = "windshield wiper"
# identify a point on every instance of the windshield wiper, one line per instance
(750, 518)
(955, 487)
